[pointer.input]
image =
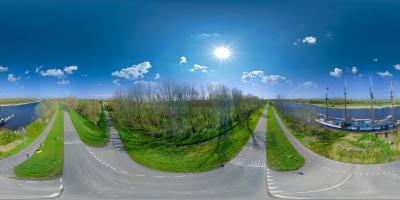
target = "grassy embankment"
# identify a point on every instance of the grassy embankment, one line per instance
(91, 134)
(17, 101)
(281, 155)
(12, 142)
(362, 148)
(159, 152)
(351, 103)
(48, 161)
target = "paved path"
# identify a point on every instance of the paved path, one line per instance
(109, 173)
(327, 179)
(11, 188)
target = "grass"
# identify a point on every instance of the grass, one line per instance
(90, 133)
(359, 148)
(25, 137)
(48, 161)
(282, 156)
(155, 151)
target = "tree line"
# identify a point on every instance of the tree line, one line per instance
(178, 109)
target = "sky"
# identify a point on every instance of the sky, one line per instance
(90, 49)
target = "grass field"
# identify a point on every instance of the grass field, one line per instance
(156, 152)
(23, 138)
(91, 134)
(48, 161)
(281, 155)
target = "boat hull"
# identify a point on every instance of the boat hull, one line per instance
(353, 129)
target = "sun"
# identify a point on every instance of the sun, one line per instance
(222, 53)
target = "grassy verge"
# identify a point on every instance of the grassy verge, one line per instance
(156, 152)
(281, 155)
(24, 138)
(48, 161)
(90, 133)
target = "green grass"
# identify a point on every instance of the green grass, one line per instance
(281, 155)
(48, 161)
(90, 133)
(29, 135)
(156, 152)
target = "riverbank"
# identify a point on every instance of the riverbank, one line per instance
(356, 148)
(355, 106)
(12, 142)
(18, 104)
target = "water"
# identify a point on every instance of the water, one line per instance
(361, 113)
(24, 115)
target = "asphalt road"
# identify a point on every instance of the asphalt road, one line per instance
(322, 178)
(12, 188)
(109, 173)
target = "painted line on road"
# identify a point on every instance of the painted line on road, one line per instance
(140, 175)
(286, 197)
(159, 176)
(180, 176)
(324, 189)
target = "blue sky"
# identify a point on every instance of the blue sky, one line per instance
(92, 48)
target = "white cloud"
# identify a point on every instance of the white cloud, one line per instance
(38, 69)
(116, 82)
(206, 35)
(375, 59)
(273, 79)
(197, 67)
(134, 72)
(70, 69)
(183, 60)
(384, 74)
(309, 84)
(309, 40)
(53, 72)
(157, 76)
(249, 76)
(354, 70)
(3, 69)
(337, 72)
(26, 72)
(396, 66)
(12, 78)
(63, 82)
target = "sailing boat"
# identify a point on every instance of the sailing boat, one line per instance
(358, 125)
(4, 117)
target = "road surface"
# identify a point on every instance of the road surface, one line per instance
(322, 178)
(109, 173)
(12, 188)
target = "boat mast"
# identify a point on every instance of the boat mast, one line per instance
(326, 102)
(391, 99)
(345, 103)
(370, 101)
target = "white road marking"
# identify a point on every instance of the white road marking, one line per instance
(286, 197)
(54, 195)
(159, 176)
(324, 189)
(180, 176)
(140, 175)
